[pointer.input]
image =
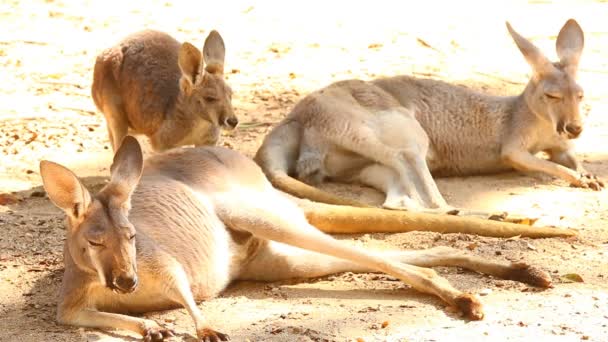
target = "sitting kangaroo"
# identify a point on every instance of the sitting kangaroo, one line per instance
(153, 85)
(196, 219)
(393, 133)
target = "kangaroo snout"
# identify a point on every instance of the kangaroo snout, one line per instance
(231, 122)
(125, 283)
(572, 129)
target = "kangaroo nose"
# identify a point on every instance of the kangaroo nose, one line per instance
(126, 283)
(232, 122)
(574, 129)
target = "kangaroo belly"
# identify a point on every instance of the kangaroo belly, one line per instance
(454, 160)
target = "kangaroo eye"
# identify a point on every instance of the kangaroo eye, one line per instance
(553, 96)
(132, 237)
(95, 244)
(210, 99)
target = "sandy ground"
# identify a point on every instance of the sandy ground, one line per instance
(276, 53)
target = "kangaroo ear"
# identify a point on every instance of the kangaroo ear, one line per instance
(537, 60)
(190, 61)
(64, 189)
(214, 52)
(569, 45)
(126, 171)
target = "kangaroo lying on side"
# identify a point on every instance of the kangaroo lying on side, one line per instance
(392, 133)
(153, 85)
(196, 219)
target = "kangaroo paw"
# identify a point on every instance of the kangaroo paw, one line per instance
(525, 273)
(470, 306)
(210, 335)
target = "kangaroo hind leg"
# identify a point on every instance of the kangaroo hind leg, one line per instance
(271, 216)
(288, 262)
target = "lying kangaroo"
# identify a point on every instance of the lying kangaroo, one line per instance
(153, 85)
(392, 133)
(196, 219)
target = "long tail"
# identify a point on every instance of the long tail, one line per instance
(337, 219)
(277, 157)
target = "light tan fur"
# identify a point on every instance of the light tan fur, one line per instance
(196, 219)
(169, 91)
(394, 133)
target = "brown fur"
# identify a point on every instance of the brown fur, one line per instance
(151, 84)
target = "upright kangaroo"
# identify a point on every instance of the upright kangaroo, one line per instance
(196, 219)
(151, 84)
(392, 133)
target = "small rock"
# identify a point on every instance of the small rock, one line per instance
(485, 292)
(38, 194)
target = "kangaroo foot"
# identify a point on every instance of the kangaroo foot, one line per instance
(210, 335)
(470, 306)
(525, 273)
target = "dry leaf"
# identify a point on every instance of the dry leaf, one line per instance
(6, 199)
(572, 278)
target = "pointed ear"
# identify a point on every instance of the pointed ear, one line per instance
(539, 63)
(569, 44)
(126, 171)
(214, 51)
(190, 61)
(64, 189)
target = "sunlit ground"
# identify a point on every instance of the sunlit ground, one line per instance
(278, 51)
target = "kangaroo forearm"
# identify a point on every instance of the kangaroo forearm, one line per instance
(567, 159)
(528, 162)
(105, 320)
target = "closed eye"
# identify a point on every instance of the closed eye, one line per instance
(553, 96)
(132, 237)
(95, 244)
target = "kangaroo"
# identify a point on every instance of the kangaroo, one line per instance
(395, 133)
(180, 229)
(151, 84)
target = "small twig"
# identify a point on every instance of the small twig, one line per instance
(79, 86)
(253, 124)
(427, 45)
(80, 110)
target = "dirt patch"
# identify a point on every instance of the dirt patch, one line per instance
(276, 53)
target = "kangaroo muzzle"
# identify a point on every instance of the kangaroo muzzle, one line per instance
(572, 130)
(231, 122)
(124, 283)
